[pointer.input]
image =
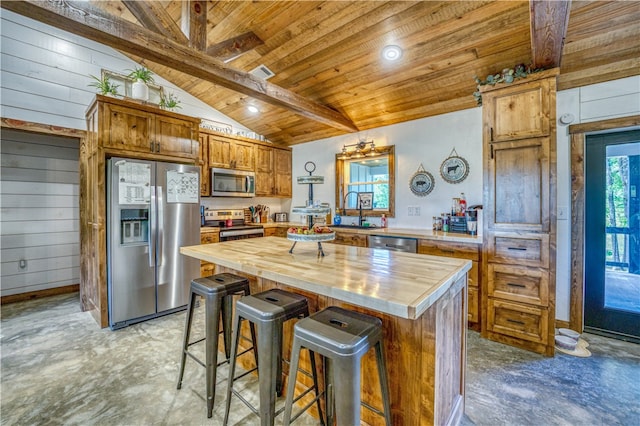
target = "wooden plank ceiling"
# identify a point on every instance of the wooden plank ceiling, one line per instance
(327, 54)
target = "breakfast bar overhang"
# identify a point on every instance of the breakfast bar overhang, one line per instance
(421, 300)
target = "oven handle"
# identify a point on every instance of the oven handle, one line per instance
(239, 232)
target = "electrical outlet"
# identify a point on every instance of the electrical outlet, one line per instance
(563, 212)
(410, 211)
(416, 211)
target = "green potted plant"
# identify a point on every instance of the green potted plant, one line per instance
(104, 85)
(140, 76)
(169, 102)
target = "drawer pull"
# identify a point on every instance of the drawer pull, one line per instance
(518, 248)
(447, 251)
(516, 285)
(515, 321)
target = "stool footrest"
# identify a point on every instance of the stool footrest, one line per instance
(371, 408)
(245, 402)
(306, 407)
(194, 358)
(244, 374)
(196, 341)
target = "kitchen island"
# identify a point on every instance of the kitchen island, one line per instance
(420, 299)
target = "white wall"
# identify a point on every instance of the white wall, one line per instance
(39, 221)
(427, 141)
(45, 75)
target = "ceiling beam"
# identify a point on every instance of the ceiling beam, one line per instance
(197, 24)
(235, 46)
(155, 18)
(549, 22)
(84, 20)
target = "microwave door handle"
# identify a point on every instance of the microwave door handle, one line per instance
(247, 183)
(160, 233)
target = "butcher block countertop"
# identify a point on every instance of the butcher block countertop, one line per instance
(400, 284)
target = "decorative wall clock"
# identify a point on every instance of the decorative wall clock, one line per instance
(422, 182)
(454, 169)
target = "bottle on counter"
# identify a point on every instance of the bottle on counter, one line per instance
(445, 222)
(383, 221)
(463, 205)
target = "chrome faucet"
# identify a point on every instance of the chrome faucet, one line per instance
(344, 205)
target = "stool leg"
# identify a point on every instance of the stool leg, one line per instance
(291, 385)
(232, 365)
(384, 383)
(227, 312)
(211, 351)
(314, 374)
(270, 354)
(187, 333)
(346, 380)
(329, 399)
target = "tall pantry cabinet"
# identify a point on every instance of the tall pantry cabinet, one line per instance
(519, 134)
(116, 127)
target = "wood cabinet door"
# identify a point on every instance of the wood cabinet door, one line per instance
(242, 156)
(518, 112)
(350, 239)
(264, 171)
(203, 162)
(282, 166)
(127, 129)
(518, 185)
(175, 137)
(219, 152)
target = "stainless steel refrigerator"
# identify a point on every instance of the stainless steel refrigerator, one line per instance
(152, 211)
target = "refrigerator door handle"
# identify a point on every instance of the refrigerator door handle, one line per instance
(160, 231)
(152, 229)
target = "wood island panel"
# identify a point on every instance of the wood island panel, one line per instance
(424, 343)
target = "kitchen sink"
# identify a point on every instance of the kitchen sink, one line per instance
(353, 226)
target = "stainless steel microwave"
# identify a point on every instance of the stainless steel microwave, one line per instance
(232, 183)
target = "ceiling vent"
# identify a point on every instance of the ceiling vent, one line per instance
(261, 71)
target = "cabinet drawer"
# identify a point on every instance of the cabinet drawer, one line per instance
(209, 237)
(474, 305)
(524, 322)
(519, 249)
(350, 239)
(519, 284)
(447, 249)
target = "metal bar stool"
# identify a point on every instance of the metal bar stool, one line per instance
(217, 291)
(268, 311)
(342, 337)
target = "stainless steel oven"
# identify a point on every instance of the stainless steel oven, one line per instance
(232, 226)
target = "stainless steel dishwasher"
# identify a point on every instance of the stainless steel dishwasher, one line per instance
(409, 245)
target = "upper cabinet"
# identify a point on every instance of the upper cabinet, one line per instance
(134, 128)
(518, 112)
(272, 165)
(228, 153)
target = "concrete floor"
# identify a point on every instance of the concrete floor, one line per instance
(57, 367)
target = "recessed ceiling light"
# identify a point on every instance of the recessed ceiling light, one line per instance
(253, 109)
(391, 52)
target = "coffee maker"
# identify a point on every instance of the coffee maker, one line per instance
(472, 219)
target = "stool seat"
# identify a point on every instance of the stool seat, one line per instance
(217, 291)
(342, 337)
(222, 284)
(273, 305)
(339, 331)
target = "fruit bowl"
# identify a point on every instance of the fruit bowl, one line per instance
(327, 236)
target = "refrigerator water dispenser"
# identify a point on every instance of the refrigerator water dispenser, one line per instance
(134, 226)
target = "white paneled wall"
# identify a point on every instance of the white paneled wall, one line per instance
(45, 75)
(39, 202)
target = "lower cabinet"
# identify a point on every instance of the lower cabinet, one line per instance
(277, 231)
(350, 239)
(468, 251)
(208, 237)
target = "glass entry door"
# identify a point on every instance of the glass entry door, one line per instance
(612, 234)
